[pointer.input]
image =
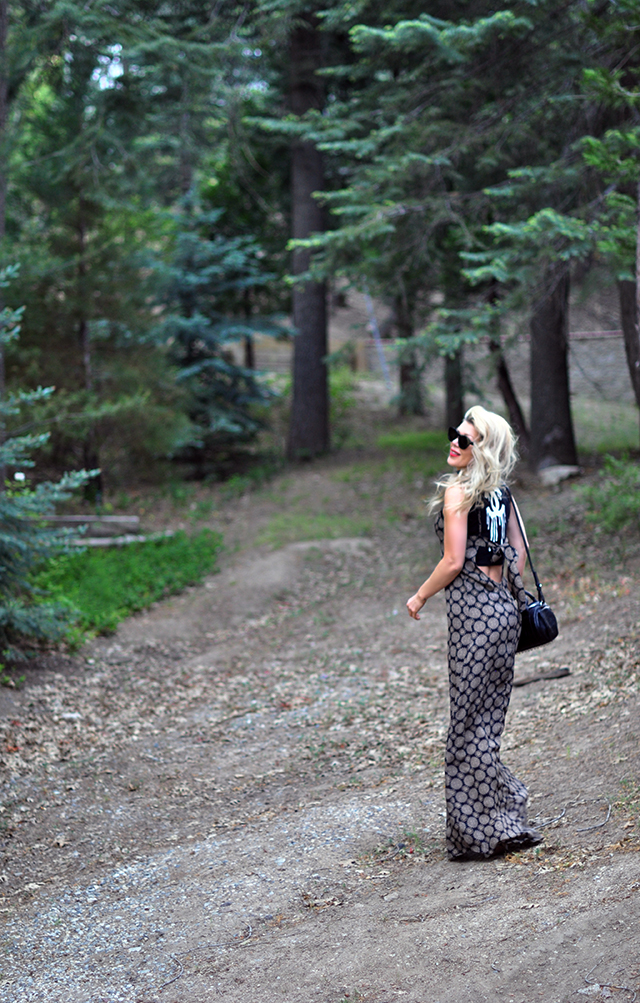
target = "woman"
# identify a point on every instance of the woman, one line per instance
(480, 571)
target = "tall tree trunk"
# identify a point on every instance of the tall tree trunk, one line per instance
(4, 91)
(249, 345)
(249, 352)
(410, 399)
(629, 293)
(505, 387)
(629, 313)
(454, 389)
(83, 325)
(4, 94)
(309, 424)
(552, 439)
(186, 169)
(91, 461)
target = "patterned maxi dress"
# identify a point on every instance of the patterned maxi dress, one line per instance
(486, 804)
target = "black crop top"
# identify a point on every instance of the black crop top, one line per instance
(489, 520)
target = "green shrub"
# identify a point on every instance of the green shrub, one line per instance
(254, 477)
(105, 585)
(614, 502)
(26, 538)
(342, 399)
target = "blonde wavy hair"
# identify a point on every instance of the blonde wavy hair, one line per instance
(494, 457)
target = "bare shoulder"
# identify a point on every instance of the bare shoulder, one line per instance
(453, 498)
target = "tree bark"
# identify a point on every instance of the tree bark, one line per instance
(249, 345)
(83, 326)
(629, 293)
(505, 387)
(309, 423)
(91, 460)
(410, 399)
(249, 353)
(454, 389)
(186, 170)
(4, 92)
(552, 438)
(629, 314)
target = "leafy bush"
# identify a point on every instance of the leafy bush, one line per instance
(26, 539)
(615, 501)
(254, 477)
(105, 585)
(342, 400)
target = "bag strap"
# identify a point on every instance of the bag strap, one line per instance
(526, 547)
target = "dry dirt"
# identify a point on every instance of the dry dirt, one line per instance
(240, 794)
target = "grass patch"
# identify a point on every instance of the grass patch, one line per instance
(416, 470)
(629, 799)
(293, 527)
(605, 426)
(105, 585)
(418, 457)
(614, 502)
(415, 442)
(252, 479)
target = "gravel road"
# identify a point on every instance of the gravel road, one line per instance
(249, 804)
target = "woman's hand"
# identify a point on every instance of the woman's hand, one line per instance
(414, 605)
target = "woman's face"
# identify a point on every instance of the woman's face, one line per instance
(461, 458)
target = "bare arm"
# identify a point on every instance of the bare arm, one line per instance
(455, 545)
(514, 536)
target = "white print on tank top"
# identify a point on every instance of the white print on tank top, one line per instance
(496, 516)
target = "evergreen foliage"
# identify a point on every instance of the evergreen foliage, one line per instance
(439, 109)
(472, 159)
(208, 283)
(116, 121)
(25, 538)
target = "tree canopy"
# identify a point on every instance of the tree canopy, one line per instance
(178, 178)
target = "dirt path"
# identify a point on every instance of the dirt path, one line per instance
(240, 795)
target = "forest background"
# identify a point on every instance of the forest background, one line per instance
(178, 178)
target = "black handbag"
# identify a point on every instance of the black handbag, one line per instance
(539, 624)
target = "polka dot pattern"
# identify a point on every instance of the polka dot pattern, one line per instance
(486, 804)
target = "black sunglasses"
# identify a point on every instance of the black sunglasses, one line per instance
(463, 440)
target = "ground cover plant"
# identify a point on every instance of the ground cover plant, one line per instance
(614, 501)
(368, 489)
(605, 426)
(106, 585)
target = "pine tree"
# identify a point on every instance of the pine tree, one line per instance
(292, 29)
(586, 204)
(447, 107)
(309, 422)
(206, 283)
(82, 236)
(414, 158)
(26, 619)
(612, 154)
